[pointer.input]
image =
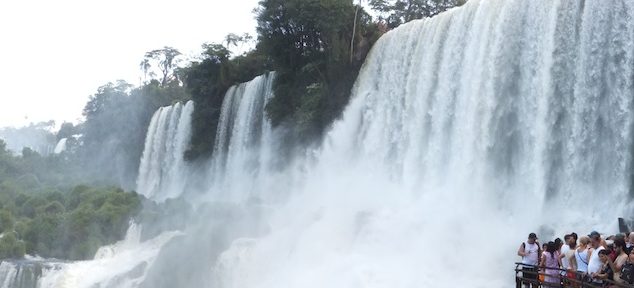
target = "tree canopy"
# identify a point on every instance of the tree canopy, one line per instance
(309, 43)
(317, 48)
(166, 60)
(41, 214)
(397, 12)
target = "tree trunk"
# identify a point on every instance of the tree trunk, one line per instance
(354, 32)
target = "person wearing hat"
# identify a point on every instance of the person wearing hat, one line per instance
(595, 264)
(602, 242)
(530, 252)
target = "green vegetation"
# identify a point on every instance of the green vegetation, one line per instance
(309, 42)
(39, 216)
(317, 48)
(397, 12)
(117, 119)
(207, 81)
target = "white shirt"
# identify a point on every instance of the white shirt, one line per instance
(581, 257)
(531, 251)
(594, 265)
(565, 262)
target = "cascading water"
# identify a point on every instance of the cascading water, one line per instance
(464, 133)
(162, 175)
(61, 146)
(163, 171)
(232, 205)
(121, 265)
(244, 141)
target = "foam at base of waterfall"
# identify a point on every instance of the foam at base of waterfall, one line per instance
(465, 132)
(120, 265)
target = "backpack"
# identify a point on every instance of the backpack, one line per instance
(627, 273)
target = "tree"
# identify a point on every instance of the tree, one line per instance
(67, 130)
(398, 12)
(312, 44)
(296, 32)
(209, 78)
(237, 41)
(11, 247)
(207, 81)
(6, 221)
(106, 96)
(145, 68)
(3, 148)
(167, 61)
(232, 40)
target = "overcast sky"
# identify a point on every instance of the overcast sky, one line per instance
(55, 54)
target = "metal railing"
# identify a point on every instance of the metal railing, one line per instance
(531, 278)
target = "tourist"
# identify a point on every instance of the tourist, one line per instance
(606, 270)
(621, 259)
(610, 249)
(627, 271)
(559, 243)
(595, 264)
(575, 237)
(565, 263)
(530, 253)
(630, 243)
(550, 262)
(568, 256)
(582, 257)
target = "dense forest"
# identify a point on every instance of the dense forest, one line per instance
(40, 215)
(67, 205)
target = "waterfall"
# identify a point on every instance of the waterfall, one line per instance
(244, 144)
(163, 171)
(245, 148)
(464, 133)
(163, 174)
(122, 265)
(61, 146)
(28, 272)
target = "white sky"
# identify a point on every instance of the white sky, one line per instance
(55, 54)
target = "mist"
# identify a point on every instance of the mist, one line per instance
(463, 132)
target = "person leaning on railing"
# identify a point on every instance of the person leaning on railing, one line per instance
(567, 257)
(611, 267)
(530, 252)
(606, 271)
(621, 258)
(582, 257)
(627, 271)
(551, 263)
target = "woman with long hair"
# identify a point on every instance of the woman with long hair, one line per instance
(606, 272)
(551, 263)
(621, 258)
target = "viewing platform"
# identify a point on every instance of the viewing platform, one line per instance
(581, 280)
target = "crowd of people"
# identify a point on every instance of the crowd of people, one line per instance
(602, 262)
